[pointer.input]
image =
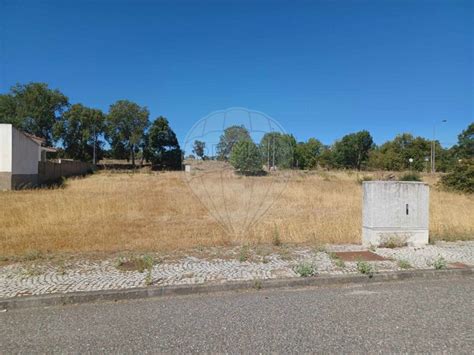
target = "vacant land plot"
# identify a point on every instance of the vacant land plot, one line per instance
(110, 212)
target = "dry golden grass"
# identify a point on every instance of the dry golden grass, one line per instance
(109, 212)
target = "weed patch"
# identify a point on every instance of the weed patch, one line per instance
(404, 264)
(244, 253)
(440, 263)
(305, 269)
(137, 263)
(365, 268)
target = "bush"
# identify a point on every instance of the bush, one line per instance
(245, 157)
(364, 267)
(440, 263)
(462, 177)
(404, 264)
(305, 269)
(411, 176)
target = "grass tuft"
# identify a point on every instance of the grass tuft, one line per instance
(404, 264)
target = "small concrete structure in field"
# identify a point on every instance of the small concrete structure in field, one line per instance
(395, 213)
(187, 168)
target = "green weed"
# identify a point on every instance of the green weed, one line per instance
(305, 269)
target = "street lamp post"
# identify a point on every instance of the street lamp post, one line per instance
(433, 148)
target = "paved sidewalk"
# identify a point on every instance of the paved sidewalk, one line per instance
(22, 279)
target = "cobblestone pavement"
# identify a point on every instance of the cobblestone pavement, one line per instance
(38, 278)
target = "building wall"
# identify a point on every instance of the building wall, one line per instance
(18, 159)
(5, 157)
(6, 148)
(25, 154)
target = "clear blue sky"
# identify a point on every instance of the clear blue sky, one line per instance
(320, 68)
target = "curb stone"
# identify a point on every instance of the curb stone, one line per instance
(148, 292)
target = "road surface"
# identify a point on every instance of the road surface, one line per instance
(421, 316)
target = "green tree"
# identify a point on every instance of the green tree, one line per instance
(8, 105)
(352, 151)
(326, 158)
(395, 154)
(163, 147)
(465, 146)
(277, 149)
(79, 129)
(231, 136)
(246, 158)
(461, 178)
(126, 125)
(307, 154)
(199, 148)
(33, 108)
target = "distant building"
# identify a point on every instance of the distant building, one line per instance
(19, 156)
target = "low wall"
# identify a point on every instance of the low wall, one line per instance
(49, 172)
(9, 181)
(5, 181)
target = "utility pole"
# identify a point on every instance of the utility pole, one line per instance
(433, 148)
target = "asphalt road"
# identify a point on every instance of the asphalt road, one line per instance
(410, 316)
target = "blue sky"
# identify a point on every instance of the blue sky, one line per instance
(320, 68)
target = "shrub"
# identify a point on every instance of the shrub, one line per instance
(337, 260)
(461, 178)
(340, 263)
(440, 263)
(411, 176)
(365, 268)
(305, 269)
(245, 157)
(404, 264)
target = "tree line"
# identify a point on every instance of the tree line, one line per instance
(353, 151)
(124, 132)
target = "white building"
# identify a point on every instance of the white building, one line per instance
(19, 157)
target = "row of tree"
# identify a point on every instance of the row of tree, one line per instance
(353, 151)
(84, 133)
(126, 132)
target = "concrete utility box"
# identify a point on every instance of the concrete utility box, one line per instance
(395, 212)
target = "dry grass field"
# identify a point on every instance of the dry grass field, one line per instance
(114, 212)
